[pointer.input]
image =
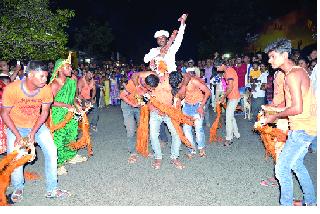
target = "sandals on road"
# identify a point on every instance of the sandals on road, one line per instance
(177, 164)
(132, 158)
(269, 182)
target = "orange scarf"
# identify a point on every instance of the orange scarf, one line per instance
(176, 116)
(7, 165)
(216, 124)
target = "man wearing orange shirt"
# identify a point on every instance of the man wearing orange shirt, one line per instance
(131, 110)
(233, 95)
(23, 100)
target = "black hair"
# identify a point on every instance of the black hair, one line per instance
(36, 65)
(175, 78)
(281, 45)
(306, 60)
(152, 80)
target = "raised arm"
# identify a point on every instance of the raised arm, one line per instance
(177, 42)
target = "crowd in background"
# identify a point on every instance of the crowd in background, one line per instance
(253, 70)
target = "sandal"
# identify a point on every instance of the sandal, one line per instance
(190, 156)
(177, 164)
(58, 193)
(227, 143)
(269, 182)
(62, 170)
(132, 158)
(156, 164)
(17, 195)
(202, 153)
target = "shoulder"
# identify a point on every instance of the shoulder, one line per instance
(13, 85)
(46, 88)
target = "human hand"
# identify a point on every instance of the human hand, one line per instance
(31, 138)
(182, 92)
(269, 119)
(200, 110)
(183, 19)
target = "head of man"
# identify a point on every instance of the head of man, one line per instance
(221, 66)
(151, 81)
(4, 68)
(66, 69)
(304, 63)
(278, 52)
(88, 74)
(238, 60)
(313, 54)
(190, 63)
(162, 37)
(263, 67)
(255, 65)
(37, 73)
(175, 81)
(246, 59)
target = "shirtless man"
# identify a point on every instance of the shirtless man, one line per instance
(197, 94)
(301, 110)
(86, 90)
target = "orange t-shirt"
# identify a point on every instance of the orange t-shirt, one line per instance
(25, 108)
(133, 91)
(231, 74)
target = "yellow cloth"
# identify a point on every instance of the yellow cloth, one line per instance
(255, 74)
(106, 87)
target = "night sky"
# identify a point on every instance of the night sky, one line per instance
(134, 22)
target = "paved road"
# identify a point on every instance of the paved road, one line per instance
(227, 177)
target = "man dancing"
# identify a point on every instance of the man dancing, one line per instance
(22, 102)
(165, 54)
(300, 108)
(233, 95)
(197, 94)
(87, 93)
(131, 110)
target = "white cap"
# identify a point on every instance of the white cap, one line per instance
(161, 33)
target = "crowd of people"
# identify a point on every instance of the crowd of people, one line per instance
(163, 94)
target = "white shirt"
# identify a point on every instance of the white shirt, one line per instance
(258, 92)
(170, 57)
(313, 78)
(246, 81)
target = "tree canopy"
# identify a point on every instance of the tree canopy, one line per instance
(94, 38)
(30, 30)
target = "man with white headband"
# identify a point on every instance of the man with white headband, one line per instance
(156, 55)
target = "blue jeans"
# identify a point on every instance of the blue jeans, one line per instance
(291, 158)
(207, 111)
(191, 110)
(45, 141)
(130, 116)
(313, 145)
(94, 115)
(163, 135)
(256, 106)
(155, 122)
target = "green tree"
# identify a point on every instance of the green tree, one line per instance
(30, 30)
(94, 38)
